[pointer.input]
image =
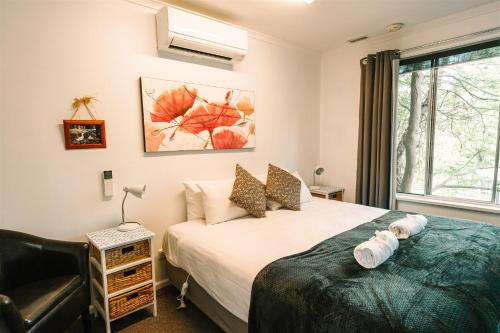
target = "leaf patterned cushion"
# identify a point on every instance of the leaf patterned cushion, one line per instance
(249, 193)
(283, 187)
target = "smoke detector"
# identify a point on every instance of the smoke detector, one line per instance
(395, 27)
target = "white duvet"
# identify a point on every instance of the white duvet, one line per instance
(225, 258)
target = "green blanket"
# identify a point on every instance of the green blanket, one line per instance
(445, 279)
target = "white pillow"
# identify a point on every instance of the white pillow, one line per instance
(194, 201)
(305, 194)
(273, 205)
(218, 208)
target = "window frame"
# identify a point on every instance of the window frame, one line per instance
(434, 57)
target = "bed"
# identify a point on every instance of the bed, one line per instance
(230, 264)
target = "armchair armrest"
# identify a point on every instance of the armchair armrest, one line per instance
(67, 257)
(26, 258)
(10, 318)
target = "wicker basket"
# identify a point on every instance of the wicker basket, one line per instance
(124, 303)
(128, 277)
(127, 253)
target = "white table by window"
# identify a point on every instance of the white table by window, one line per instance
(328, 192)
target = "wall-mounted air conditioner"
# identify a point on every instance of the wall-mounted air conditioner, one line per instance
(183, 32)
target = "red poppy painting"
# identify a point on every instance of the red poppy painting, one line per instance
(185, 116)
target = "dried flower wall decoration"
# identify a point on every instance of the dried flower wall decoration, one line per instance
(184, 116)
(84, 134)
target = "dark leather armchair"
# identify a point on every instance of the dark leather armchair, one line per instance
(44, 284)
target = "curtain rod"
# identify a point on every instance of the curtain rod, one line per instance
(445, 41)
(451, 40)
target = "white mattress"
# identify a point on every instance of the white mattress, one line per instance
(225, 258)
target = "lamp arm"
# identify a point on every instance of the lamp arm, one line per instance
(123, 207)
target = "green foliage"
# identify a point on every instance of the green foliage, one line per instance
(467, 109)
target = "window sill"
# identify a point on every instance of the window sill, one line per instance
(448, 203)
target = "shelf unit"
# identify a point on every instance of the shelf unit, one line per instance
(122, 272)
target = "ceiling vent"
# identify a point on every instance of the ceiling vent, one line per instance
(359, 39)
(183, 32)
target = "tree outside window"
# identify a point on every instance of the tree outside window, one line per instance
(447, 125)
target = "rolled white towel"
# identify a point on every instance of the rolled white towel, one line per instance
(388, 237)
(408, 226)
(372, 253)
(422, 219)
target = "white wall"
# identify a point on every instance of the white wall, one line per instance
(340, 76)
(53, 51)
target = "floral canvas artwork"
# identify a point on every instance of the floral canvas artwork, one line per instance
(185, 116)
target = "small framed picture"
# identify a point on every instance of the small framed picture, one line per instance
(84, 134)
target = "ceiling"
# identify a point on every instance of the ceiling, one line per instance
(325, 23)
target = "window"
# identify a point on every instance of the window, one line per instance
(447, 128)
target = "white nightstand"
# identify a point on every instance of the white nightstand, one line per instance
(122, 272)
(328, 192)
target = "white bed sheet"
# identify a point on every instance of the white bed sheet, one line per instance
(225, 258)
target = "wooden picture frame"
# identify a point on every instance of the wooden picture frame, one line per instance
(84, 134)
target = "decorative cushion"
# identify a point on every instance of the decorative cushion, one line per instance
(283, 187)
(305, 194)
(216, 204)
(194, 201)
(249, 193)
(271, 204)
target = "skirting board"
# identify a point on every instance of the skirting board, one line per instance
(162, 284)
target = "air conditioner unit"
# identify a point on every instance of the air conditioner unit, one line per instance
(183, 32)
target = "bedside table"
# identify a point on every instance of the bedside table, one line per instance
(122, 272)
(328, 192)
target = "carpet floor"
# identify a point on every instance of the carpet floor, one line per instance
(168, 320)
